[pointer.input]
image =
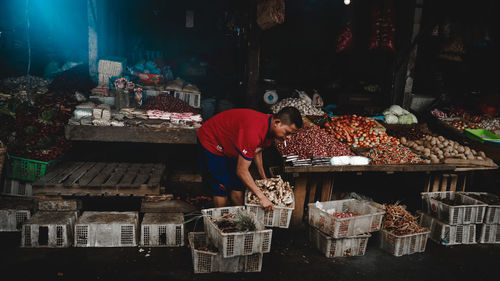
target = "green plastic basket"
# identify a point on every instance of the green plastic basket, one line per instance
(27, 169)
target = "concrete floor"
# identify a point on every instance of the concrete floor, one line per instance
(291, 258)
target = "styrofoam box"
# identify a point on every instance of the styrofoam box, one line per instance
(236, 243)
(399, 245)
(193, 99)
(48, 229)
(492, 214)
(162, 230)
(16, 187)
(490, 234)
(278, 217)
(446, 234)
(12, 220)
(342, 247)
(107, 229)
(113, 68)
(206, 261)
(370, 219)
(472, 211)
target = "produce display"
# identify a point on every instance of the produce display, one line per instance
(240, 222)
(168, 103)
(279, 192)
(303, 106)
(39, 130)
(358, 131)
(492, 124)
(398, 115)
(102, 115)
(17, 87)
(334, 212)
(399, 221)
(409, 132)
(393, 154)
(440, 149)
(311, 141)
(461, 124)
(490, 199)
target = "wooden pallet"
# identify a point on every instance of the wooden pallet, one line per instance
(90, 178)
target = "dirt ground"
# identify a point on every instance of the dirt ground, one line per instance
(291, 258)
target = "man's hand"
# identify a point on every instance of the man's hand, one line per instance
(266, 203)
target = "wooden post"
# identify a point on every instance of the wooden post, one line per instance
(92, 19)
(300, 197)
(327, 188)
(444, 182)
(453, 183)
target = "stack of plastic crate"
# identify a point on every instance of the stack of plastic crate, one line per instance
(217, 251)
(490, 229)
(452, 217)
(52, 226)
(343, 237)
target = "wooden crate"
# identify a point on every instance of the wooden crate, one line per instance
(84, 178)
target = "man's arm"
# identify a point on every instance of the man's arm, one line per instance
(244, 174)
(259, 163)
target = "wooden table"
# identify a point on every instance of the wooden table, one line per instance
(131, 134)
(91, 178)
(316, 182)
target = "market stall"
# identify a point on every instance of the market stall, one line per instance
(329, 146)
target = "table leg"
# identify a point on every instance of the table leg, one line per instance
(327, 188)
(300, 197)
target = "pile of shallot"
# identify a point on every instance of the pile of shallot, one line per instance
(311, 141)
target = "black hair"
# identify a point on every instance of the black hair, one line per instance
(289, 115)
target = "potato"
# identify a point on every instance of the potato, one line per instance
(462, 157)
(403, 140)
(441, 138)
(482, 154)
(473, 152)
(434, 160)
(461, 149)
(471, 157)
(427, 161)
(480, 158)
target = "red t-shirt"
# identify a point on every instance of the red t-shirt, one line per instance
(236, 131)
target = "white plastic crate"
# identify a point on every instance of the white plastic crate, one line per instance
(399, 245)
(490, 234)
(14, 211)
(207, 261)
(446, 234)
(162, 230)
(342, 247)
(193, 99)
(236, 243)
(472, 211)
(48, 229)
(279, 217)
(492, 214)
(107, 229)
(370, 219)
(17, 188)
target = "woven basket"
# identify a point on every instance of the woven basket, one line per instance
(3, 151)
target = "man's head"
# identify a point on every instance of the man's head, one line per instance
(287, 121)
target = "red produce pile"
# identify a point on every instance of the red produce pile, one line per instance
(345, 215)
(168, 103)
(311, 141)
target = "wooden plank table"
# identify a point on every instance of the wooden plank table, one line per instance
(91, 178)
(131, 134)
(315, 183)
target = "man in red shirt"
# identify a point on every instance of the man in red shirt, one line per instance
(231, 140)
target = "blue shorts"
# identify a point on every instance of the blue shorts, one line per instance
(219, 172)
